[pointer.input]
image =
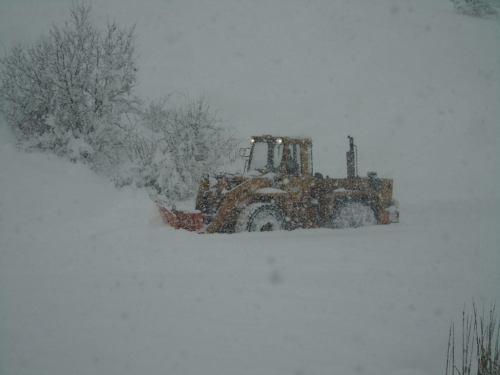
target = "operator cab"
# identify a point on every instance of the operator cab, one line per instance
(289, 156)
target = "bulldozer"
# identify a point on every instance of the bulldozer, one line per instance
(278, 190)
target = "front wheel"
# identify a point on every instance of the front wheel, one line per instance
(261, 217)
(352, 215)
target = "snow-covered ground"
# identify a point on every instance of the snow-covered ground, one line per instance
(92, 283)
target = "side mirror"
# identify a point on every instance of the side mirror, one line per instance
(244, 152)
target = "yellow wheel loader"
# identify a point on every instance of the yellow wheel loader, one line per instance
(279, 191)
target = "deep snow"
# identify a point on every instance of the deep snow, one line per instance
(92, 283)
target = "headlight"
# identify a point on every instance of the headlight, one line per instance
(252, 140)
(279, 141)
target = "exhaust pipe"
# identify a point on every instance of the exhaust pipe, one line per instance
(352, 159)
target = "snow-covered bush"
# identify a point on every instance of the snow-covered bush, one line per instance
(176, 146)
(69, 92)
(477, 8)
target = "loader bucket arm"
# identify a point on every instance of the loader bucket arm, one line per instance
(233, 198)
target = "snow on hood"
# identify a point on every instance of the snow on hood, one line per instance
(270, 190)
(255, 173)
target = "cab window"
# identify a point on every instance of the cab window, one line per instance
(293, 160)
(310, 159)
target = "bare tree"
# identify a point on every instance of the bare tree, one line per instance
(68, 91)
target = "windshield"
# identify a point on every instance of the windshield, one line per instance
(266, 157)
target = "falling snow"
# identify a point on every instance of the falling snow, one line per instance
(92, 283)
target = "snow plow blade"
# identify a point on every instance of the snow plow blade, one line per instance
(178, 219)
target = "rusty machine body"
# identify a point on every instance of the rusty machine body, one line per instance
(279, 191)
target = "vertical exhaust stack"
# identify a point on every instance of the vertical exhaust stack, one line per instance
(351, 159)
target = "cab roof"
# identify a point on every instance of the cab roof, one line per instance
(285, 139)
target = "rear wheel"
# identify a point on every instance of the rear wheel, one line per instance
(261, 217)
(352, 215)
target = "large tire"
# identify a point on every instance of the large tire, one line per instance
(261, 217)
(352, 215)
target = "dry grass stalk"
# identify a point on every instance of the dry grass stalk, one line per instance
(484, 334)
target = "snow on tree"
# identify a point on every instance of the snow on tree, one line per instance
(69, 91)
(177, 145)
